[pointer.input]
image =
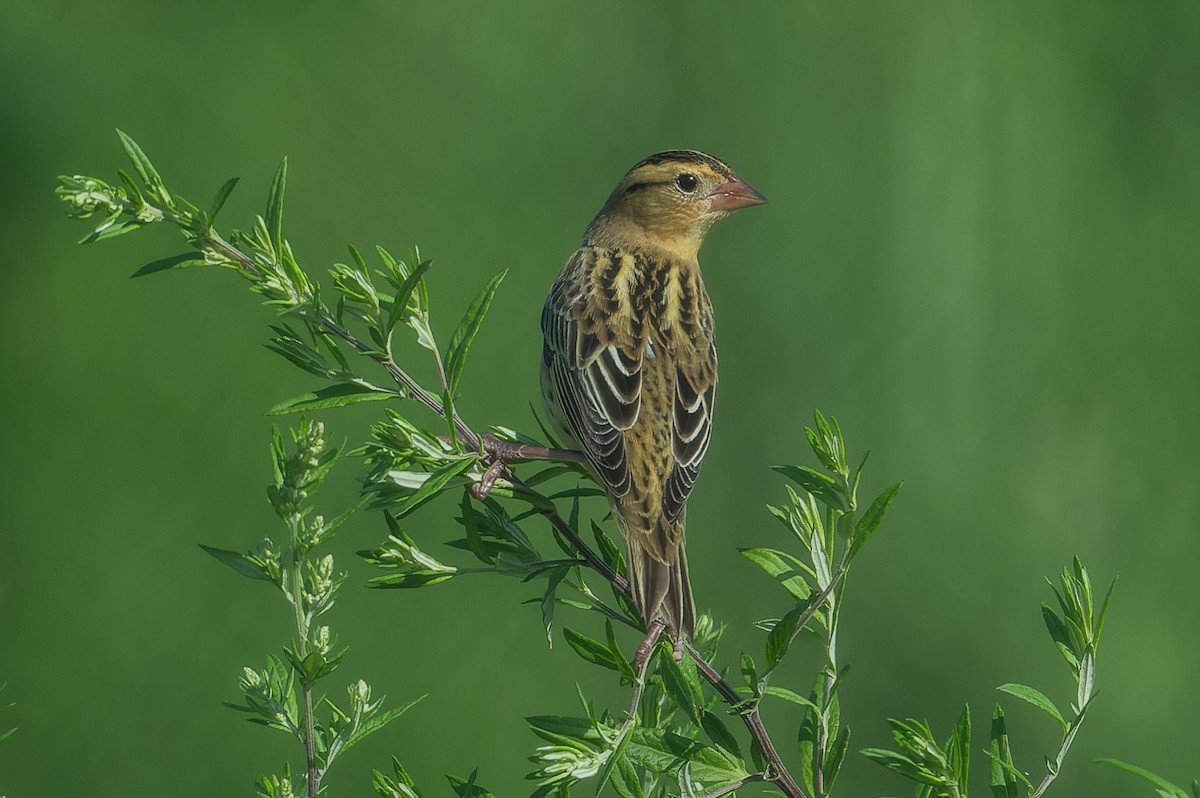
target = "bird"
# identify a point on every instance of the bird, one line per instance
(629, 363)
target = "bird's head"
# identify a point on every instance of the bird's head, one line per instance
(670, 201)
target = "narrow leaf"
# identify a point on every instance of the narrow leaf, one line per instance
(434, 484)
(467, 329)
(960, 745)
(219, 201)
(790, 695)
(871, 519)
(470, 524)
(238, 562)
(376, 722)
(1001, 768)
(1159, 782)
(144, 168)
(589, 649)
(784, 568)
(467, 788)
(549, 598)
(819, 485)
(781, 636)
(404, 294)
(274, 214)
(340, 395)
(625, 779)
(1035, 697)
(183, 260)
(719, 733)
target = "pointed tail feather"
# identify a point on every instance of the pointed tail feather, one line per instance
(678, 605)
(660, 589)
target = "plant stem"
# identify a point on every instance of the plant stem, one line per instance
(777, 771)
(301, 619)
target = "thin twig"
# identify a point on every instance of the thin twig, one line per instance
(750, 716)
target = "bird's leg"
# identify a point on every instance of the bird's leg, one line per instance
(508, 451)
(505, 452)
(647, 645)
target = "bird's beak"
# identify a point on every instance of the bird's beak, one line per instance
(735, 193)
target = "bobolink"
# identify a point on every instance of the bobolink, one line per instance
(629, 363)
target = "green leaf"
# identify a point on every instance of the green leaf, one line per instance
(958, 747)
(410, 579)
(719, 733)
(819, 485)
(434, 484)
(784, 568)
(617, 754)
(1035, 697)
(790, 695)
(1061, 636)
(780, 638)
(470, 523)
(246, 566)
(899, 763)
(623, 665)
(549, 600)
(340, 395)
(625, 780)
(419, 321)
(685, 692)
(591, 650)
(665, 753)
(1002, 770)
(466, 331)
(404, 293)
(376, 722)
(1166, 787)
(836, 756)
(871, 519)
(184, 260)
(713, 766)
(749, 671)
(219, 201)
(144, 168)
(112, 227)
(609, 550)
(467, 788)
(555, 728)
(274, 214)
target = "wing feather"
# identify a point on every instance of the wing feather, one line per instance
(595, 365)
(691, 423)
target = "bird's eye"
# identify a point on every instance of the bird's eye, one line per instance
(687, 182)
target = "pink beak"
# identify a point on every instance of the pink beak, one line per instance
(735, 193)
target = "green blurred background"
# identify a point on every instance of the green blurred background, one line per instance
(980, 255)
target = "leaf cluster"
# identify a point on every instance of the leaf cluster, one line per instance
(941, 770)
(281, 695)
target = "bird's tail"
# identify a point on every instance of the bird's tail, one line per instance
(660, 585)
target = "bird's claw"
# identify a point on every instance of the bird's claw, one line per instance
(501, 454)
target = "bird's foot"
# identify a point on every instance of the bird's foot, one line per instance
(501, 453)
